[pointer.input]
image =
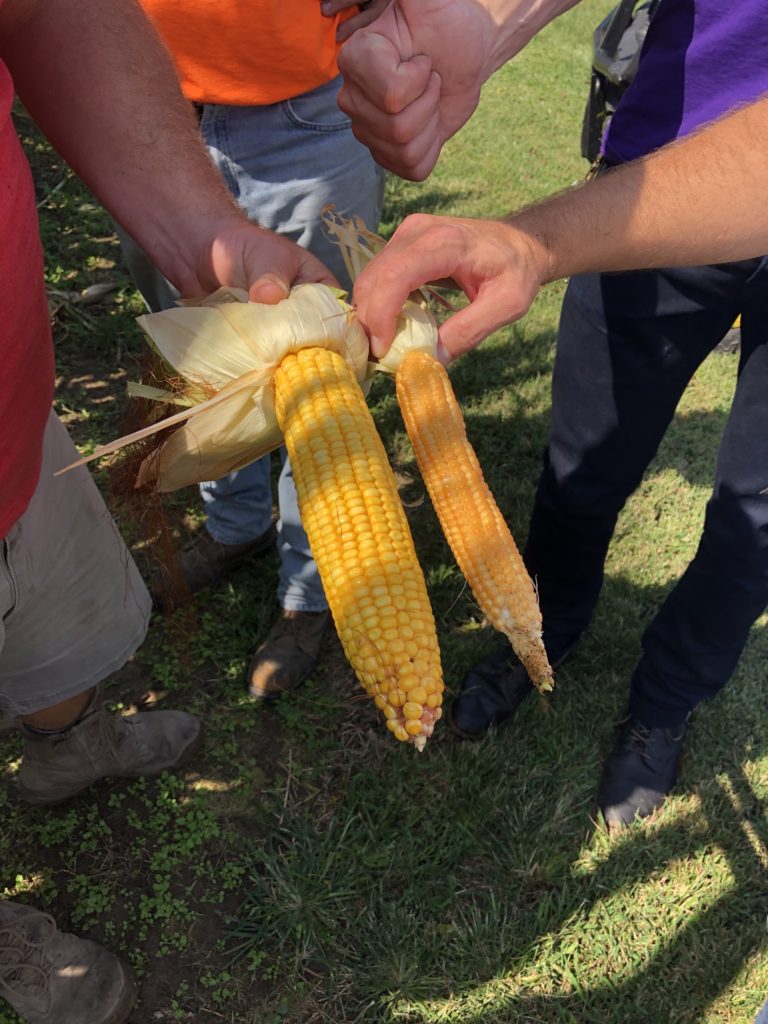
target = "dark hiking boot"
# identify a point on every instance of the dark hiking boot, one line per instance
(204, 561)
(57, 766)
(52, 977)
(288, 654)
(639, 772)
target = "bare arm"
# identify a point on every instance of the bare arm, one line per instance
(100, 84)
(701, 200)
(412, 78)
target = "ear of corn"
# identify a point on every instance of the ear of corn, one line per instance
(470, 518)
(224, 351)
(360, 539)
(255, 373)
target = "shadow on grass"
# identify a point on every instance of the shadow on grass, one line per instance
(401, 200)
(465, 884)
(466, 881)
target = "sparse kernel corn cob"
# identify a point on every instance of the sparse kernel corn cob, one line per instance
(360, 539)
(472, 523)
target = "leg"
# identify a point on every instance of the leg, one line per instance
(299, 589)
(693, 644)
(252, 148)
(628, 345)
(74, 609)
(290, 651)
(283, 163)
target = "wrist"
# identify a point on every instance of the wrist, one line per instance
(187, 255)
(513, 24)
(529, 239)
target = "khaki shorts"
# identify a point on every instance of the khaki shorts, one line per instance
(73, 606)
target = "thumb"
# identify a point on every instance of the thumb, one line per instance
(269, 288)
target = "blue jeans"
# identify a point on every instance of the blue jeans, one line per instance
(627, 347)
(283, 163)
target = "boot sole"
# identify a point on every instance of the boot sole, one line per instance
(35, 799)
(127, 999)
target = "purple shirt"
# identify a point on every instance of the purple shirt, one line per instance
(700, 59)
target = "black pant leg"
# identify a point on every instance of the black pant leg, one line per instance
(693, 644)
(628, 345)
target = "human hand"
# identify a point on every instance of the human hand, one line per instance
(499, 266)
(242, 255)
(413, 78)
(368, 12)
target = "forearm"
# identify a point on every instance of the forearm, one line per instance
(515, 23)
(100, 85)
(699, 201)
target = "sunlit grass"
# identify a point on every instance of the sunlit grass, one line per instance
(308, 870)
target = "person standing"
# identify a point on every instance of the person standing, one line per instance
(73, 607)
(628, 345)
(264, 90)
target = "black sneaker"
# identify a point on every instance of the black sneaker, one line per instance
(639, 772)
(490, 693)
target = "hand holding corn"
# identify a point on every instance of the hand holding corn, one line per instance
(255, 375)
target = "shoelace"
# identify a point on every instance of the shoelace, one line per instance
(637, 739)
(108, 733)
(18, 974)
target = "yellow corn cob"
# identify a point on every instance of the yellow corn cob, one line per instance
(360, 539)
(472, 523)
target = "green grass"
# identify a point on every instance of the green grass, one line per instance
(307, 868)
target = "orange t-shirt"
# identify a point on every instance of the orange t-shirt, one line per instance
(247, 52)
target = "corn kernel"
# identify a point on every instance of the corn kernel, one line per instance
(412, 710)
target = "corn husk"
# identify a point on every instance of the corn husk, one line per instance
(416, 330)
(225, 349)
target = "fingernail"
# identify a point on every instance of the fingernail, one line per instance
(443, 356)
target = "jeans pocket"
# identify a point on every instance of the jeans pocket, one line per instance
(317, 110)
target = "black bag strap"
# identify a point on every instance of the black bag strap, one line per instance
(613, 67)
(617, 26)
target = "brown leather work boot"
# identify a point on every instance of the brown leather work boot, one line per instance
(288, 655)
(57, 766)
(204, 561)
(52, 977)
